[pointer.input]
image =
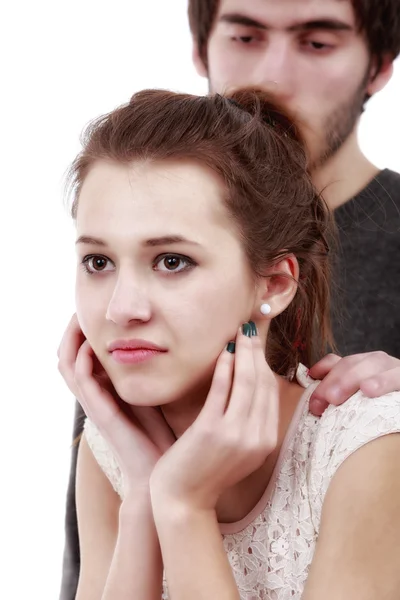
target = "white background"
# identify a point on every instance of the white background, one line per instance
(63, 63)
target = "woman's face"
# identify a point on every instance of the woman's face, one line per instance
(159, 263)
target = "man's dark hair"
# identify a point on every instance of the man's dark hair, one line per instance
(378, 20)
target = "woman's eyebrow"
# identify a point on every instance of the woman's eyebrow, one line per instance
(87, 239)
(169, 239)
(157, 241)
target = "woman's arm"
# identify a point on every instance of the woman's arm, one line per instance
(358, 550)
(120, 554)
(136, 568)
(194, 558)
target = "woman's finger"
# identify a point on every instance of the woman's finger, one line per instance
(72, 340)
(221, 384)
(94, 398)
(244, 378)
(153, 423)
(264, 417)
(264, 405)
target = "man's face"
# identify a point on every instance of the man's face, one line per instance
(306, 53)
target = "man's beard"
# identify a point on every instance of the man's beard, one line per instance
(339, 125)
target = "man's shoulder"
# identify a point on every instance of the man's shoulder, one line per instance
(388, 181)
(375, 208)
(385, 187)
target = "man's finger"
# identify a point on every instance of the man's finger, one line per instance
(383, 383)
(318, 407)
(324, 366)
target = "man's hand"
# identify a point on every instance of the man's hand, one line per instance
(374, 373)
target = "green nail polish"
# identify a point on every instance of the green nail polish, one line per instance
(253, 328)
(246, 329)
(231, 347)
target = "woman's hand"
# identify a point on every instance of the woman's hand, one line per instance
(138, 436)
(233, 435)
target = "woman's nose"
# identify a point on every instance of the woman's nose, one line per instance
(129, 302)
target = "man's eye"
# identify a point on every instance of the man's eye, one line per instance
(173, 263)
(96, 264)
(316, 45)
(244, 39)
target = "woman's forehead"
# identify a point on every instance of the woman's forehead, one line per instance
(154, 198)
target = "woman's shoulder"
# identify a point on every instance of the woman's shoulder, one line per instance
(104, 456)
(342, 430)
(360, 418)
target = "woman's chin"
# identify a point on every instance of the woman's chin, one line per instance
(142, 394)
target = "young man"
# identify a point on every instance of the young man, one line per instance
(322, 60)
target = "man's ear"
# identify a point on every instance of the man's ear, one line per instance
(378, 79)
(197, 60)
(277, 287)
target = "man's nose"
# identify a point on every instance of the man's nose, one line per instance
(129, 303)
(275, 69)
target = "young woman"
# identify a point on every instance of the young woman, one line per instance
(201, 291)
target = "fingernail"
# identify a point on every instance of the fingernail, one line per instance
(253, 328)
(231, 347)
(246, 329)
(317, 407)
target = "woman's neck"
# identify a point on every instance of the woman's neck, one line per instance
(182, 413)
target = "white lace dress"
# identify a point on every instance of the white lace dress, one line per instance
(271, 549)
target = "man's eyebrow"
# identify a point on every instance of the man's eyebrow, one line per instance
(238, 19)
(321, 24)
(169, 239)
(87, 239)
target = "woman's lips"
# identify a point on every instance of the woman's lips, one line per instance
(134, 351)
(133, 356)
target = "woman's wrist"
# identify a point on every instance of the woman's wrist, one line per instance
(174, 511)
(136, 504)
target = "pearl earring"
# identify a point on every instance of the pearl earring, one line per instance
(265, 309)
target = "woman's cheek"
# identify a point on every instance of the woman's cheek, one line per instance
(85, 316)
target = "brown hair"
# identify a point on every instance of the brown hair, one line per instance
(378, 20)
(259, 155)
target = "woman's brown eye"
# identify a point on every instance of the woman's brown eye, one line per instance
(98, 263)
(171, 262)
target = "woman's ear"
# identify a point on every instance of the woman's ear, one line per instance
(378, 79)
(197, 60)
(277, 288)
